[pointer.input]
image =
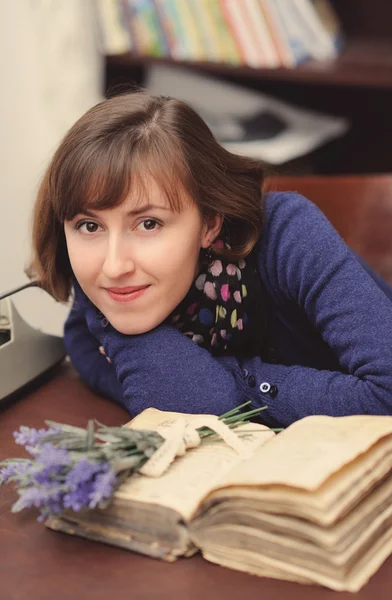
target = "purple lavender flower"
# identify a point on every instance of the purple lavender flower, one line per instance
(103, 487)
(47, 475)
(39, 497)
(50, 456)
(78, 498)
(13, 471)
(27, 436)
(83, 471)
(88, 483)
(7, 472)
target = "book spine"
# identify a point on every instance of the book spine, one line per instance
(179, 48)
(294, 34)
(115, 38)
(208, 35)
(190, 31)
(163, 28)
(331, 21)
(145, 28)
(229, 50)
(261, 34)
(239, 21)
(278, 33)
(315, 35)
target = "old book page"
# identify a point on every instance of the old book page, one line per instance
(373, 514)
(191, 477)
(326, 456)
(265, 565)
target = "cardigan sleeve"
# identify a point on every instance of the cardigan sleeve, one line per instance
(83, 350)
(309, 265)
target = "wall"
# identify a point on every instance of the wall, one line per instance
(51, 72)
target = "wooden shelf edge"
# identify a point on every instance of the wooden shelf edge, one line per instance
(363, 62)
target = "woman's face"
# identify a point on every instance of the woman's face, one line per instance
(137, 261)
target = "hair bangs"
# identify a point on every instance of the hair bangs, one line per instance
(98, 179)
(166, 166)
(103, 178)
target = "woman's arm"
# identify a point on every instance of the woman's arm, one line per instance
(311, 266)
(83, 350)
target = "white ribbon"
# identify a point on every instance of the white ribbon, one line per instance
(181, 435)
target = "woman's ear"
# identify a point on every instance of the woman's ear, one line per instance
(211, 229)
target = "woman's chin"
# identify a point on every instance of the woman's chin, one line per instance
(133, 328)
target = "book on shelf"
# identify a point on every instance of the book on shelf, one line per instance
(321, 42)
(310, 504)
(114, 36)
(262, 34)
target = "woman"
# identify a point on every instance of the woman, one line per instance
(201, 291)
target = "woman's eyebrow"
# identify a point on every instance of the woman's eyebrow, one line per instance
(146, 208)
(137, 211)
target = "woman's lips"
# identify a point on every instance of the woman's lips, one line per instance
(126, 294)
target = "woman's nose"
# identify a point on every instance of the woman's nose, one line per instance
(118, 260)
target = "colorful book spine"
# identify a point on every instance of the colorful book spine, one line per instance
(114, 35)
(317, 39)
(294, 34)
(179, 49)
(239, 22)
(190, 30)
(278, 34)
(143, 23)
(200, 10)
(261, 35)
(229, 51)
(330, 21)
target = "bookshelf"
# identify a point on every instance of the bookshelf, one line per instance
(357, 84)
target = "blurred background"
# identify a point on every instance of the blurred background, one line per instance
(305, 85)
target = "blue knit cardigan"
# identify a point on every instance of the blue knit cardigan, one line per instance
(329, 336)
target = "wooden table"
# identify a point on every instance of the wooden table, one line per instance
(39, 564)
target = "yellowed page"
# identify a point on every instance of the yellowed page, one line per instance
(331, 500)
(191, 477)
(308, 452)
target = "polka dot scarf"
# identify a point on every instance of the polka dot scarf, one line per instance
(223, 310)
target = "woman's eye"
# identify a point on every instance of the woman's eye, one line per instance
(148, 225)
(88, 227)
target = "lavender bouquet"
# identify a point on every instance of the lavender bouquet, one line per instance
(71, 468)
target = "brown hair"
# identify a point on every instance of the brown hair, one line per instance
(117, 143)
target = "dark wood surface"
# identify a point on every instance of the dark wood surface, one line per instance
(39, 564)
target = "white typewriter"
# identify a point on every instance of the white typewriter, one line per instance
(25, 352)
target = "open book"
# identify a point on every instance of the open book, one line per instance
(311, 504)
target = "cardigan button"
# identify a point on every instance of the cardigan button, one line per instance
(104, 323)
(273, 391)
(265, 387)
(252, 381)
